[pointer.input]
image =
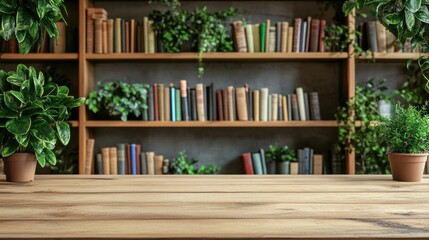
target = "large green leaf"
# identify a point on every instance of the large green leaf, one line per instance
(41, 8)
(41, 158)
(8, 113)
(8, 6)
(51, 27)
(63, 90)
(38, 84)
(50, 157)
(18, 96)
(20, 35)
(33, 30)
(7, 26)
(413, 5)
(63, 130)
(26, 45)
(24, 20)
(409, 20)
(393, 19)
(75, 103)
(19, 126)
(63, 113)
(423, 14)
(43, 132)
(15, 79)
(9, 148)
(37, 144)
(11, 101)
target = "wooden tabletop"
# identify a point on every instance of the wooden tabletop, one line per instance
(221, 206)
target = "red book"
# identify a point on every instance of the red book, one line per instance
(155, 101)
(138, 151)
(219, 105)
(322, 35)
(247, 161)
(128, 158)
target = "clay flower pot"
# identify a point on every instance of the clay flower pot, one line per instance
(407, 167)
(20, 167)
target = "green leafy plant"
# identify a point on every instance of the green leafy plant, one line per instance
(27, 20)
(33, 114)
(362, 110)
(119, 99)
(278, 153)
(407, 131)
(66, 160)
(412, 90)
(184, 165)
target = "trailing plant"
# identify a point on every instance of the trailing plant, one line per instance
(362, 110)
(27, 20)
(119, 99)
(278, 153)
(33, 114)
(407, 131)
(184, 165)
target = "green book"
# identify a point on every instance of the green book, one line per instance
(257, 163)
(178, 106)
(262, 33)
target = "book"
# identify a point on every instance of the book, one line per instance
(267, 35)
(306, 106)
(173, 102)
(314, 106)
(249, 101)
(372, 35)
(293, 168)
(242, 110)
(138, 152)
(256, 38)
(178, 106)
(307, 34)
(303, 36)
(161, 104)
(289, 107)
(60, 46)
(155, 102)
(89, 162)
(306, 161)
(300, 158)
(110, 36)
(263, 161)
(322, 35)
(91, 14)
(247, 162)
(123, 38)
(274, 107)
(270, 108)
(167, 103)
(143, 163)
(150, 37)
(225, 104)
(158, 164)
(132, 35)
(272, 43)
(121, 158)
(262, 36)
(295, 111)
(184, 98)
(99, 163)
(98, 35)
(139, 38)
(127, 36)
(290, 32)
(219, 105)
(257, 164)
(199, 94)
(231, 106)
(106, 160)
(113, 158)
(301, 103)
(145, 35)
(314, 37)
(150, 163)
(297, 35)
(193, 108)
(239, 37)
(249, 38)
(127, 159)
(278, 36)
(381, 37)
(284, 36)
(133, 159)
(118, 35)
(104, 32)
(263, 106)
(285, 108)
(208, 102)
(317, 164)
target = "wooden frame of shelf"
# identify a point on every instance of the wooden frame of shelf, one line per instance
(39, 57)
(394, 56)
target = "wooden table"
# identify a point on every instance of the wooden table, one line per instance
(222, 206)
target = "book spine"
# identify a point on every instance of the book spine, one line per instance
(159, 159)
(139, 38)
(98, 35)
(219, 105)
(293, 168)
(225, 104)
(121, 159)
(104, 34)
(161, 104)
(132, 35)
(297, 35)
(249, 38)
(290, 32)
(194, 104)
(231, 113)
(314, 106)
(118, 37)
(138, 152)
(143, 163)
(300, 157)
(301, 103)
(240, 36)
(278, 36)
(317, 164)
(247, 162)
(167, 105)
(307, 107)
(127, 37)
(106, 160)
(280, 107)
(267, 35)
(257, 164)
(150, 163)
(99, 163)
(241, 104)
(256, 107)
(289, 107)
(89, 31)
(209, 103)
(303, 36)
(249, 102)
(256, 38)
(128, 159)
(295, 111)
(113, 158)
(151, 37)
(284, 36)
(173, 103)
(306, 167)
(264, 104)
(322, 35)
(178, 106)
(199, 89)
(133, 159)
(285, 108)
(263, 161)
(110, 36)
(307, 34)
(273, 42)
(123, 40)
(89, 155)
(262, 36)
(184, 97)
(151, 105)
(274, 107)
(314, 38)
(270, 103)
(145, 35)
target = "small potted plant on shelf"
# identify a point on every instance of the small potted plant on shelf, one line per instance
(33, 115)
(185, 165)
(119, 99)
(282, 156)
(406, 135)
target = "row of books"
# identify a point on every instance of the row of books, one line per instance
(118, 35)
(306, 35)
(49, 45)
(124, 159)
(377, 38)
(170, 103)
(307, 162)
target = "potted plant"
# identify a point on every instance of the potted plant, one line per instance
(27, 20)
(33, 115)
(406, 135)
(119, 99)
(282, 156)
(184, 165)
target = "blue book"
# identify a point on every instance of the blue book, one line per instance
(306, 167)
(178, 106)
(263, 161)
(303, 37)
(257, 163)
(133, 159)
(173, 103)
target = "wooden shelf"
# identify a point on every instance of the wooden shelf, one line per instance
(232, 56)
(394, 56)
(11, 57)
(210, 124)
(74, 123)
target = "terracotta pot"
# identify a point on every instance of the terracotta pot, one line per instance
(407, 167)
(20, 167)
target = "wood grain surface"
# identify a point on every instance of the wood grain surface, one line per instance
(220, 206)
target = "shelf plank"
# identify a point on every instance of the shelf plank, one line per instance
(397, 56)
(331, 56)
(210, 124)
(74, 123)
(11, 57)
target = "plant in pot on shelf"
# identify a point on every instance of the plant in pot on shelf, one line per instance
(182, 164)
(33, 117)
(406, 135)
(282, 156)
(119, 99)
(27, 20)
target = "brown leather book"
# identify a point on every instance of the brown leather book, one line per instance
(307, 35)
(127, 36)
(113, 159)
(242, 110)
(106, 160)
(128, 158)
(267, 36)
(256, 108)
(314, 37)
(138, 153)
(132, 36)
(284, 107)
(322, 35)
(89, 161)
(92, 14)
(219, 105)
(159, 159)
(161, 107)
(231, 112)
(110, 36)
(118, 34)
(239, 37)
(317, 164)
(98, 35)
(297, 34)
(104, 30)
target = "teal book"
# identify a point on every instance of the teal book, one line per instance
(263, 161)
(178, 106)
(257, 163)
(173, 103)
(262, 37)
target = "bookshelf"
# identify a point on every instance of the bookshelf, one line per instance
(92, 67)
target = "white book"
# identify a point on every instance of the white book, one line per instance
(264, 104)
(301, 104)
(249, 38)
